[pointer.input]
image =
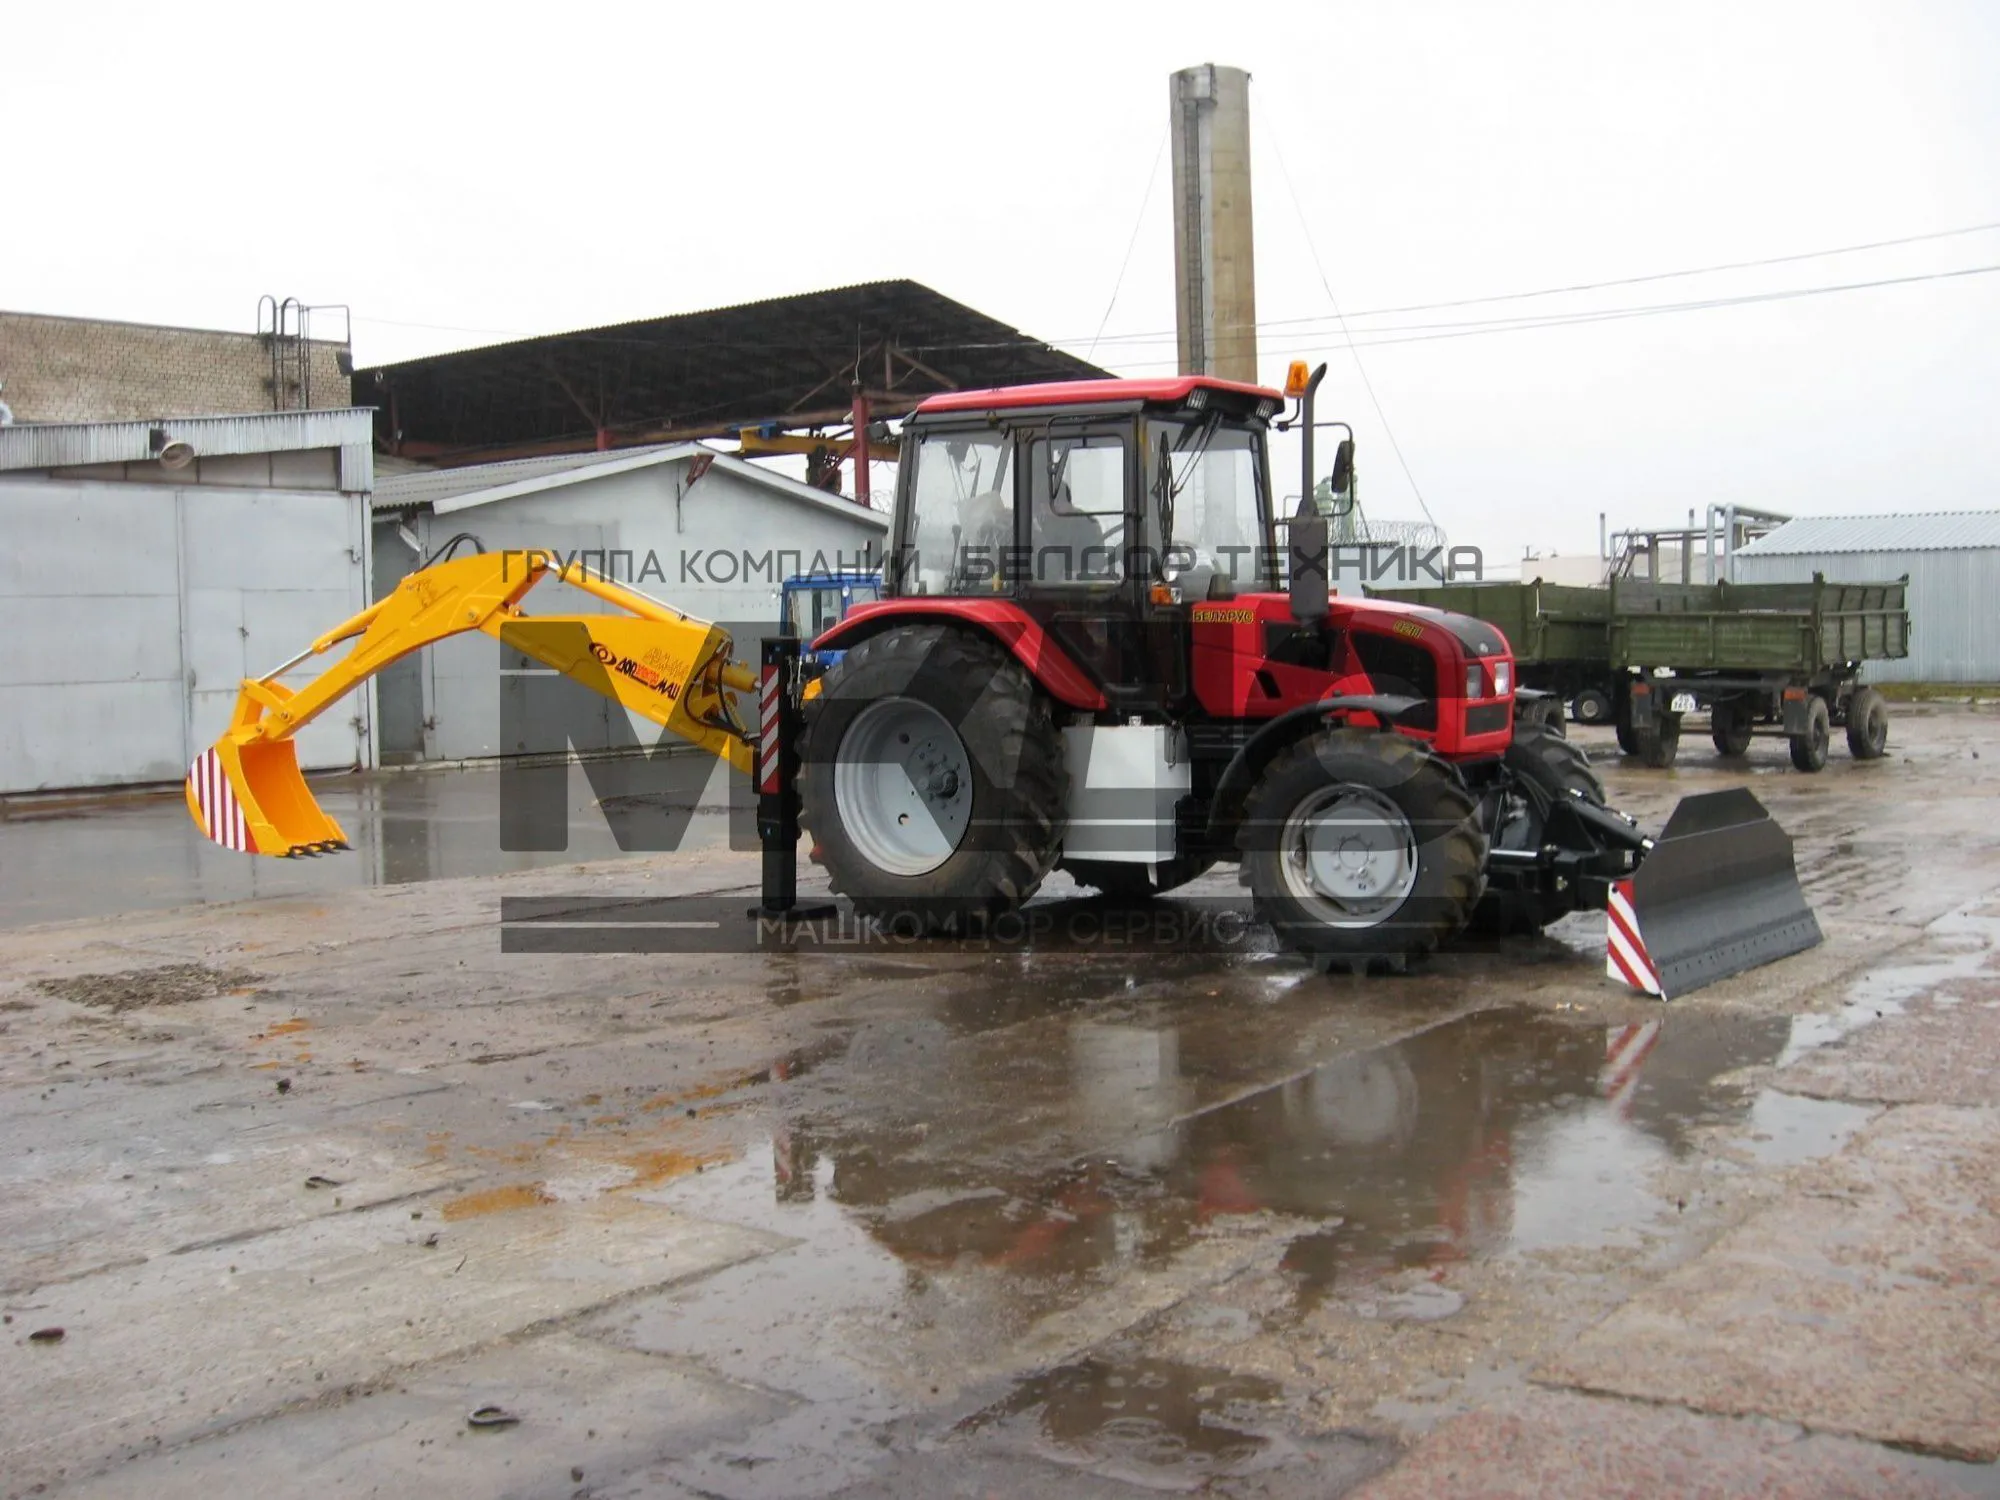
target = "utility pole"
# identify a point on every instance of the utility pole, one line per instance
(1215, 272)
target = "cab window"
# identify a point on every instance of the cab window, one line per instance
(1076, 509)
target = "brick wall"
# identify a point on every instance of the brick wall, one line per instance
(85, 370)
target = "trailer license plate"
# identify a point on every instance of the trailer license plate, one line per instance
(1683, 703)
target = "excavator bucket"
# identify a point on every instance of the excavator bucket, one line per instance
(1718, 893)
(252, 799)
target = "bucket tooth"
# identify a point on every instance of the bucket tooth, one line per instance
(1717, 894)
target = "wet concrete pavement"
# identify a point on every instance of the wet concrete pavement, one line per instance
(987, 1223)
(69, 857)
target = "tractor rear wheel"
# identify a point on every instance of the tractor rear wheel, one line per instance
(933, 781)
(1557, 768)
(1867, 724)
(1362, 849)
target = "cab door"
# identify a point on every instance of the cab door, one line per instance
(1083, 565)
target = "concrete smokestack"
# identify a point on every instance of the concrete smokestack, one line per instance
(1215, 272)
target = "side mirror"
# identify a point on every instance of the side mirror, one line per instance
(1342, 479)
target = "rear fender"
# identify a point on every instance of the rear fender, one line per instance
(1053, 668)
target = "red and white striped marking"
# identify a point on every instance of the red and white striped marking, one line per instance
(1625, 956)
(221, 813)
(767, 738)
(1625, 1052)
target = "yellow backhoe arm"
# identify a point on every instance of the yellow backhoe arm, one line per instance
(247, 794)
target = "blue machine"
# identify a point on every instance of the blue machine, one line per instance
(811, 603)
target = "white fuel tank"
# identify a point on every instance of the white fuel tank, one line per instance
(1124, 781)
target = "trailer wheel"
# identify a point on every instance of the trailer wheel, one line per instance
(1362, 850)
(933, 780)
(1591, 706)
(1628, 738)
(1867, 724)
(1558, 768)
(1729, 728)
(1657, 744)
(1809, 749)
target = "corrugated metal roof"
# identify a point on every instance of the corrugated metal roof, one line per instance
(62, 445)
(447, 491)
(1914, 531)
(708, 373)
(428, 486)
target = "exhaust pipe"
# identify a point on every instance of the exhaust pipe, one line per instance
(1718, 893)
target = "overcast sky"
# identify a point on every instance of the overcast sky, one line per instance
(459, 173)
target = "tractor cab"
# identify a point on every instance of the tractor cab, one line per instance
(1099, 510)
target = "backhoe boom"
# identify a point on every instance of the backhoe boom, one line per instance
(247, 794)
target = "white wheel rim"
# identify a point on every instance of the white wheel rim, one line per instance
(1349, 856)
(902, 784)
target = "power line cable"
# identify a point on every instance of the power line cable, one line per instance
(1163, 335)
(1417, 333)
(1352, 348)
(1588, 286)
(1131, 244)
(1734, 265)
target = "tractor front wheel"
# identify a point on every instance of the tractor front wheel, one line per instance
(1362, 850)
(933, 782)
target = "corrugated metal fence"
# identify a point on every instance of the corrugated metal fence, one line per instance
(1954, 605)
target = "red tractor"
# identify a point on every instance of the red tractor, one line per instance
(1094, 652)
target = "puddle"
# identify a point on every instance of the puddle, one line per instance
(1497, 1133)
(1786, 1129)
(1957, 947)
(942, 1219)
(1144, 1421)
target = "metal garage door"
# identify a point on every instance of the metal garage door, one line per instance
(131, 613)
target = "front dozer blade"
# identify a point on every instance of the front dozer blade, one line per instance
(1718, 893)
(253, 799)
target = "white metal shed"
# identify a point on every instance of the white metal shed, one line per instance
(711, 534)
(1952, 559)
(150, 566)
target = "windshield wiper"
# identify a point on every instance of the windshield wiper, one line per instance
(1203, 436)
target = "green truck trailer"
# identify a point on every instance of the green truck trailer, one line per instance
(1781, 659)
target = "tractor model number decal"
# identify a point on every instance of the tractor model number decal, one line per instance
(1408, 628)
(638, 671)
(1226, 616)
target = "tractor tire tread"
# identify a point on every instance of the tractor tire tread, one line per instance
(1029, 821)
(1459, 854)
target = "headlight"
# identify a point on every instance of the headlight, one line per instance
(1503, 678)
(1475, 680)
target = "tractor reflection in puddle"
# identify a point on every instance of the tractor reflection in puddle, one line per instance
(1499, 1131)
